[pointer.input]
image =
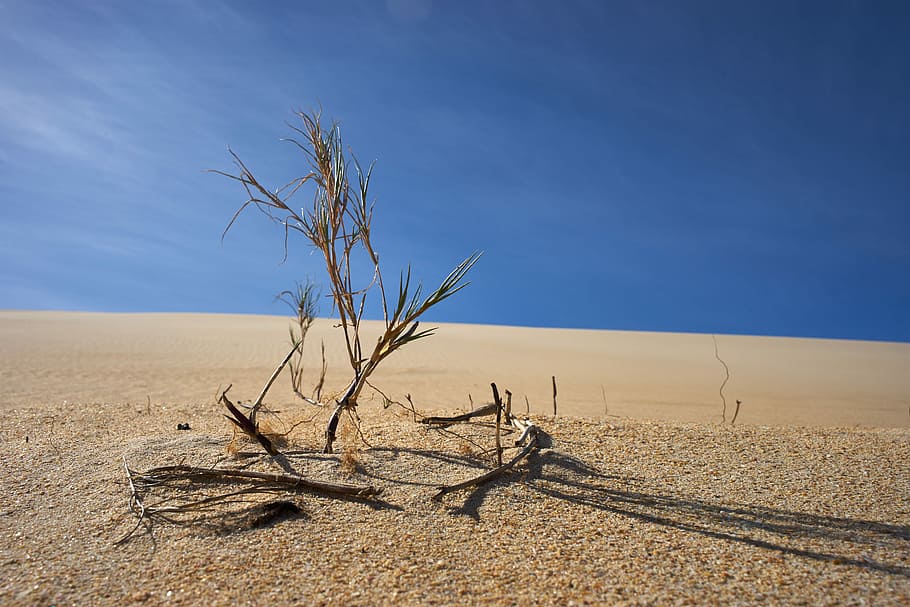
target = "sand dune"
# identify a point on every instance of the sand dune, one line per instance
(51, 357)
(655, 504)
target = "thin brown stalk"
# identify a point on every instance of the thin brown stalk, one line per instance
(553, 378)
(268, 384)
(136, 505)
(245, 424)
(317, 390)
(488, 409)
(736, 413)
(291, 481)
(498, 424)
(726, 379)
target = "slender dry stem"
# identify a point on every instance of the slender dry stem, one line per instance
(498, 424)
(726, 379)
(553, 379)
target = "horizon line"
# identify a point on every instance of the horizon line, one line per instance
(450, 322)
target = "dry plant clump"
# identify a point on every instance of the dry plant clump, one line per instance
(338, 224)
(302, 301)
(350, 461)
(465, 448)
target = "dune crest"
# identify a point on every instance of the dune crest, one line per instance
(51, 357)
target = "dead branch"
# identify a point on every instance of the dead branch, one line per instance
(245, 424)
(171, 509)
(530, 432)
(553, 378)
(736, 413)
(498, 424)
(289, 481)
(136, 505)
(347, 400)
(488, 409)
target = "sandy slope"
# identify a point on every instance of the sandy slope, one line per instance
(657, 504)
(609, 512)
(52, 357)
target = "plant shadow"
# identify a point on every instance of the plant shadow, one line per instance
(564, 477)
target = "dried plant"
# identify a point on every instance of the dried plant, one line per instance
(302, 301)
(338, 223)
(350, 461)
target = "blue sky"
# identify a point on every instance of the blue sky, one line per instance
(721, 167)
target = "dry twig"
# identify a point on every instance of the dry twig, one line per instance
(736, 413)
(498, 424)
(246, 424)
(553, 378)
(485, 410)
(530, 433)
(259, 483)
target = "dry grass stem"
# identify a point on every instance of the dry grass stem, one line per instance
(726, 379)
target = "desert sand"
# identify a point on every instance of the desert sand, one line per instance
(638, 495)
(55, 357)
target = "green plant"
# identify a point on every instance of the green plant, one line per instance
(338, 223)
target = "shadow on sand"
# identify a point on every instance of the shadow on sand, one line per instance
(563, 477)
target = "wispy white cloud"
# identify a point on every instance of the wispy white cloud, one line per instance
(71, 128)
(89, 99)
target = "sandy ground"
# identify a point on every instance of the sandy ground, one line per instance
(806, 501)
(51, 357)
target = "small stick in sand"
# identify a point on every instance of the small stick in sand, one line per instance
(736, 413)
(498, 404)
(488, 409)
(554, 395)
(246, 425)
